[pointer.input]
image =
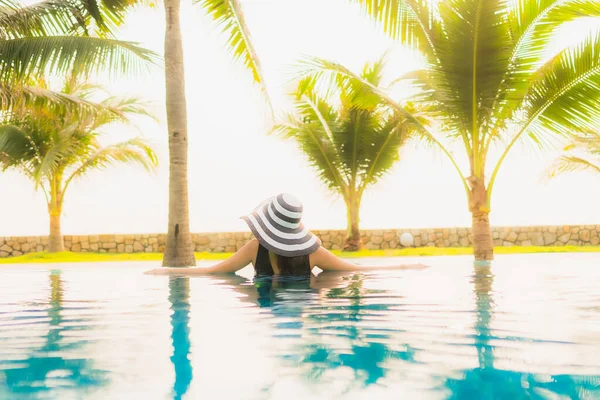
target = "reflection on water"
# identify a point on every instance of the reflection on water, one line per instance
(522, 329)
(48, 365)
(486, 381)
(179, 297)
(365, 357)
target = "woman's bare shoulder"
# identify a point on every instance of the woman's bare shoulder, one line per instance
(324, 259)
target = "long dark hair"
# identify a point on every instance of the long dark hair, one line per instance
(292, 265)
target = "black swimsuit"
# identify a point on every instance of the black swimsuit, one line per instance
(263, 267)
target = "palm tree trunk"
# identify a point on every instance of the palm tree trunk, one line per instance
(179, 249)
(479, 205)
(55, 240)
(483, 246)
(353, 242)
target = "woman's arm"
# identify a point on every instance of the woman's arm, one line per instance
(327, 261)
(239, 260)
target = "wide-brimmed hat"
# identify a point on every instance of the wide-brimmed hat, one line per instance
(277, 224)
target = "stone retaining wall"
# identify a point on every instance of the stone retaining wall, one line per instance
(577, 235)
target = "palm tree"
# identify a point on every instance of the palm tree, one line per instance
(583, 153)
(349, 136)
(54, 146)
(488, 70)
(179, 249)
(64, 36)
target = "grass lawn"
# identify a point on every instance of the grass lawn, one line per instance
(420, 251)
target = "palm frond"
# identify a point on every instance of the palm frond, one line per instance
(229, 16)
(133, 151)
(315, 145)
(314, 129)
(565, 97)
(54, 139)
(411, 22)
(39, 19)
(572, 164)
(125, 107)
(19, 98)
(532, 25)
(419, 77)
(332, 72)
(473, 58)
(373, 71)
(62, 146)
(583, 153)
(112, 110)
(56, 17)
(356, 138)
(15, 146)
(23, 57)
(352, 91)
(384, 151)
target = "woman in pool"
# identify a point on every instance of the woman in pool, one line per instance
(282, 246)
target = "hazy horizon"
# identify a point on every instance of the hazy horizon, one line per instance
(233, 164)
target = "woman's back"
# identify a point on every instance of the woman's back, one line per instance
(268, 264)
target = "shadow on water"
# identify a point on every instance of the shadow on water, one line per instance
(179, 297)
(488, 382)
(50, 366)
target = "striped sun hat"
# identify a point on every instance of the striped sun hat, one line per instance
(276, 223)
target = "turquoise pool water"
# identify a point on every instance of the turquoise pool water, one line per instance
(529, 327)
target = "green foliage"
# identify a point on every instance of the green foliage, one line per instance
(348, 134)
(27, 56)
(54, 145)
(229, 16)
(490, 72)
(51, 17)
(61, 36)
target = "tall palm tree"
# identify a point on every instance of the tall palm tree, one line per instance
(583, 153)
(54, 146)
(179, 249)
(350, 137)
(64, 36)
(488, 70)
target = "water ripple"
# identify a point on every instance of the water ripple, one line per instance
(529, 327)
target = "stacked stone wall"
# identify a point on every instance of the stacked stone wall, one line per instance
(570, 235)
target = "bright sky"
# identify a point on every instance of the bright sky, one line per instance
(233, 164)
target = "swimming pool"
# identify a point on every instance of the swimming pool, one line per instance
(529, 327)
